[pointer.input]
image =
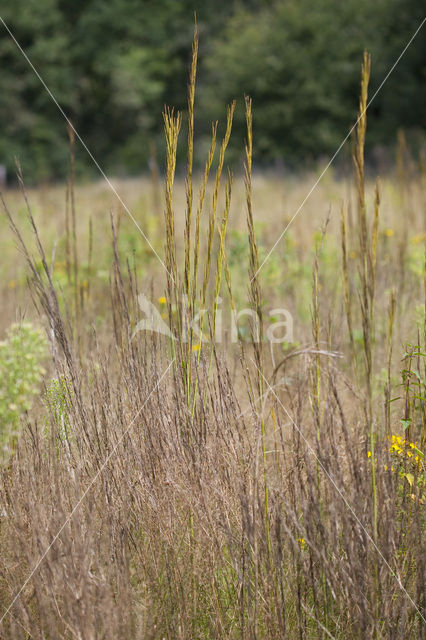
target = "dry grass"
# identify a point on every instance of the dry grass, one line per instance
(178, 489)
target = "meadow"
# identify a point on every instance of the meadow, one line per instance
(171, 487)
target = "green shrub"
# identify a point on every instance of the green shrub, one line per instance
(21, 354)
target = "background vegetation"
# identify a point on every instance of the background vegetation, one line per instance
(113, 65)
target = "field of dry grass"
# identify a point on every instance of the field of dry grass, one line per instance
(165, 487)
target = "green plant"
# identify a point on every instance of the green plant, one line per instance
(414, 385)
(408, 459)
(21, 372)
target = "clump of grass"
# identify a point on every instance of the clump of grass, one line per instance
(183, 292)
(21, 372)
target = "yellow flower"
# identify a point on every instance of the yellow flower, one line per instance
(369, 454)
(162, 300)
(195, 347)
(419, 239)
(302, 542)
(389, 233)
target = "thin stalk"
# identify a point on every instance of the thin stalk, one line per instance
(391, 318)
(346, 287)
(256, 300)
(172, 125)
(190, 160)
(73, 223)
(367, 257)
(188, 310)
(201, 199)
(212, 214)
(67, 233)
(90, 255)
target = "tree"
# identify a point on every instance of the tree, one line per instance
(114, 65)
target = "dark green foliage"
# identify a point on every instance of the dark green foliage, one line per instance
(113, 65)
(300, 62)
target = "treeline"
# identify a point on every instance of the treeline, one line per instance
(112, 65)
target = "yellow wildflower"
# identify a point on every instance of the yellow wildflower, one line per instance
(162, 300)
(389, 233)
(419, 239)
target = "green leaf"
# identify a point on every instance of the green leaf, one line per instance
(410, 478)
